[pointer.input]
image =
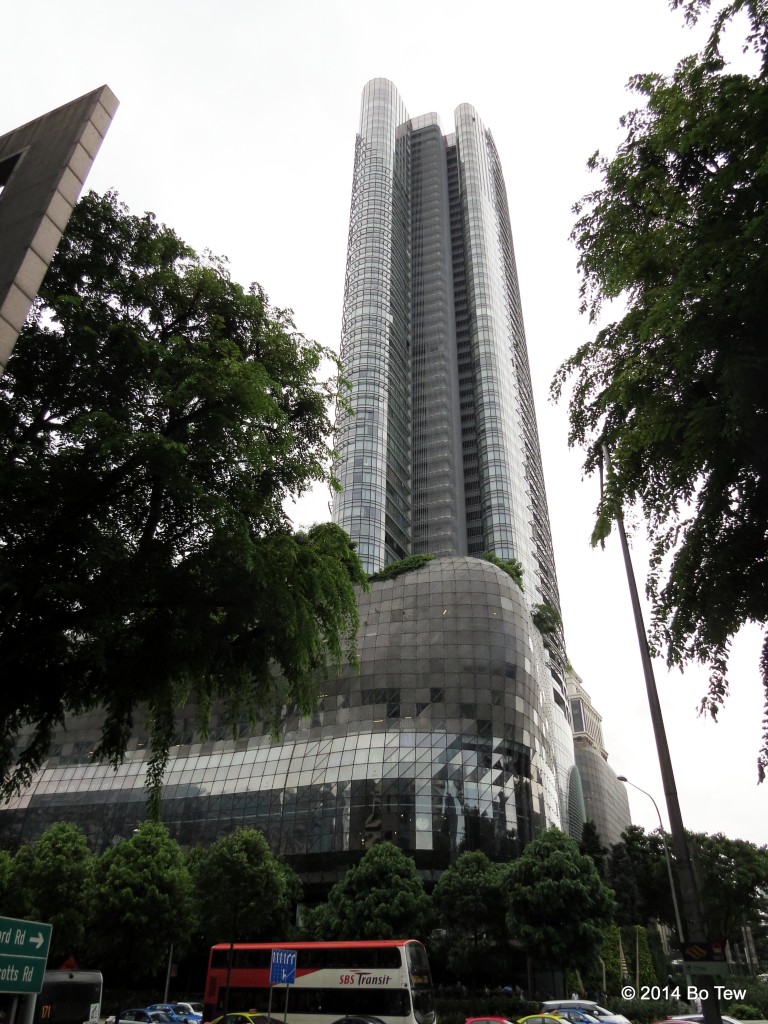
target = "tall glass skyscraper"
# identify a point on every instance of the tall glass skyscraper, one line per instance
(441, 454)
(454, 730)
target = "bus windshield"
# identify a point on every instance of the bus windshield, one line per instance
(69, 997)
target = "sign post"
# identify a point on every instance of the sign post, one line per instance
(23, 954)
(282, 971)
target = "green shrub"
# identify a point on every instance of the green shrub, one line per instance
(394, 569)
(743, 1011)
(643, 1011)
(546, 618)
(510, 566)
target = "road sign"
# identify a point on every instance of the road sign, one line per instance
(21, 973)
(282, 969)
(707, 967)
(23, 954)
(711, 949)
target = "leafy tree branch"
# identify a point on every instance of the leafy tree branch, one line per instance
(675, 388)
(154, 417)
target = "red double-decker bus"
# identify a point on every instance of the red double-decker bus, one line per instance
(388, 979)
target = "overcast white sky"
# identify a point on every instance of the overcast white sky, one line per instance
(237, 127)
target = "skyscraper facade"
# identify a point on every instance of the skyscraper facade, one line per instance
(453, 731)
(441, 454)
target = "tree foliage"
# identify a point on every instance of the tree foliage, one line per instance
(6, 883)
(398, 568)
(381, 897)
(620, 877)
(243, 893)
(511, 566)
(469, 895)
(547, 619)
(610, 954)
(755, 11)
(592, 845)
(558, 904)
(638, 873)
(51, 881)
(142, 902)
(469, 901)
(640, 956)
(733, 883)
(676, 388)
(154, 417)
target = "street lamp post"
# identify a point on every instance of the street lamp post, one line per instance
(168, 974)
(673, 891)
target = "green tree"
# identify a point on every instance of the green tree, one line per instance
(733, 882)
(243, 893)
(7, 887)
(620, 877)
(469, 902)
(676, 388)
(558, 907)
(142, 902)
(154, 417)
(51, 879)
(592, 846)
(645, 851)
(382, 897)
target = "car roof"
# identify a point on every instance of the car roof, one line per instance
(479, 1020)
(575, 1003)
(587, 1005)
(242, 1013)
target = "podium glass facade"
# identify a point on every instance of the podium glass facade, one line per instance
(442, 740)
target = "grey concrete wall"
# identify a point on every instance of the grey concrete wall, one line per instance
(43, 167)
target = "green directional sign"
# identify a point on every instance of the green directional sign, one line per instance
(21, 973)
(707, 967)
(23, 954)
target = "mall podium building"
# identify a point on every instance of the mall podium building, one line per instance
(455, 731)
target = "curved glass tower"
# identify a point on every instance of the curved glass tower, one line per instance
(441, 454)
